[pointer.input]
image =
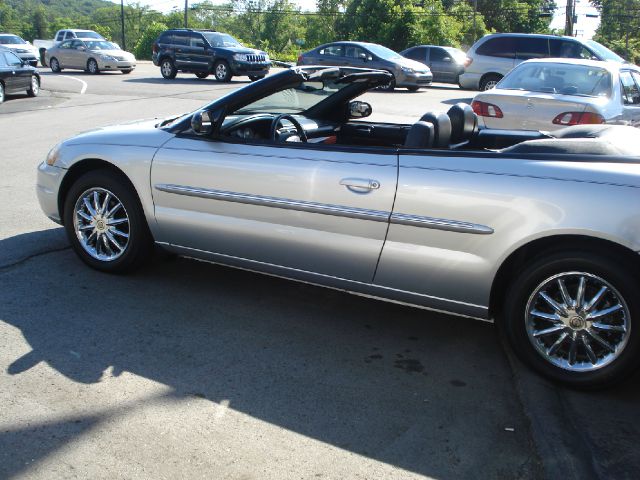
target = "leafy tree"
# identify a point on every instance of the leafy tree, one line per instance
(143, 48)
(619, 27)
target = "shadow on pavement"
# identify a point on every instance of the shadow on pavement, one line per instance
(188, 80)
(369, 377)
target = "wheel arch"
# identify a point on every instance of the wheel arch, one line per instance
(80, 168)
(549, 245)
(489, 74)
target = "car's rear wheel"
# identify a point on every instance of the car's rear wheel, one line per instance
(126, 71)
(168, 69)
(389, 87)
(489, 81)
(105, 223)
(255, 78)
(92, 66)
(222, 71)
(413, 89)
(202, 74)
(54, 64)
(575, 318)
(34, 88)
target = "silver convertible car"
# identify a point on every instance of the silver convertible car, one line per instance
(540, 233)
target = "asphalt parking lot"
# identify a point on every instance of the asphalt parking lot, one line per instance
(191, 370)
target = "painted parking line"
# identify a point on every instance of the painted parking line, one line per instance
(84, 84)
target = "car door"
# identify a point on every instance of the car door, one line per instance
(198, 52)
(331, 55)
(442, 66)
(321, 209)
(181, 43)
(7, 74)
(76, 54)
(62, 53)
(20, 76)
(630, 84)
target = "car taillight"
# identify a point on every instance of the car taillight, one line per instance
(484, 109)
(467, 61)
(577, 118)
(155, 48)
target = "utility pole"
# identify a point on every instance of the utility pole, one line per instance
(186, 6)
(475, 9)
(124, 43)
(568, 24)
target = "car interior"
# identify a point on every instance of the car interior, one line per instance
(338, 121)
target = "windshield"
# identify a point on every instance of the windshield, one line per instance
(11, 40)
(88, 34)
(221, 40)
(382, 52)
(560, 78)
(101, 45)
(294, 100)
(603, 52)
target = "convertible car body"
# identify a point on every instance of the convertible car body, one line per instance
(284, 176)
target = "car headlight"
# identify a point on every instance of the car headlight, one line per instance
(408, 70)
(53, 155)
(240, 57)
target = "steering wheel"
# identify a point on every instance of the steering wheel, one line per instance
(273, 132)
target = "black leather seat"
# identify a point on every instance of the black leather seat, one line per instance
(420, 135)
(464, 123)
(442, 128)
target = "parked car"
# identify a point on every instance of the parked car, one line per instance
(541, 235)
(17, 76)
(494, 55)
(446, 63)
(552, 94)
(60, 36)
(203, 52)
(91, 55)
(20, 47)
(405, 73)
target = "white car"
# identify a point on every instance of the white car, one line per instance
(23, 49)
(551, 94)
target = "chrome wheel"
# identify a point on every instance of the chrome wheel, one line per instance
(166, 68)
(221, 71)
(35, 86)
(101, 224)
(55, 66)
(1, 93)
(577, 321)
(490, 84)
(93, 66)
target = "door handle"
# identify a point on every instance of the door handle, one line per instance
(360, 185)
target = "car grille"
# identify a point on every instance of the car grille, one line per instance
(20, 50)
(255, 58)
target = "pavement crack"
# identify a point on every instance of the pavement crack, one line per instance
(17, 263)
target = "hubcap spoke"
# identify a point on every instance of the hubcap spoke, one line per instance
(547, 331)
(604, 313)
(596, 298)
(552, 317)
(565, 295)
(555, 305)
(556, 345)
(600, 340)
(608, 328)
(593, 358)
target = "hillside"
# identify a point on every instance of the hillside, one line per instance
(62, 8)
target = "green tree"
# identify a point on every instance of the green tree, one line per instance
(619, 27)
(143, 48)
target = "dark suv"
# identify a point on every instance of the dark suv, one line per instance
(203, 52)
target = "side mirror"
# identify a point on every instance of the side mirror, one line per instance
(359, 109)
(81, 48)
(202, 123)
(363, 57)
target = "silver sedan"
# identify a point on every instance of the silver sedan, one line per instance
(552, 94)
(91, 55)
(285, 176)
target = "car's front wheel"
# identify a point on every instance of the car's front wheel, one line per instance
(168, 69)
(202, 74)
(126, 71)
(92, 66)
(34, 88)
(575, 318)
(489, 81)
(105, 222)
(222, 71)
(54, 65)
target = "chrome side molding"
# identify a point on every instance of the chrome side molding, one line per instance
(328, 209)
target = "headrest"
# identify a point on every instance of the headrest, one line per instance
(464, 122)
(420, 135)
(442, 128)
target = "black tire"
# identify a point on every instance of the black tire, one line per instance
(43, 61)
(389, 87)
(489, 81)
(202, 75)
(544, 273)
(92, 66)
(126, 71)
(34, 89)
(255, 78)
(139, 245)
(221, 71)
(413, 89)
(54, 64)
(168, 69)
